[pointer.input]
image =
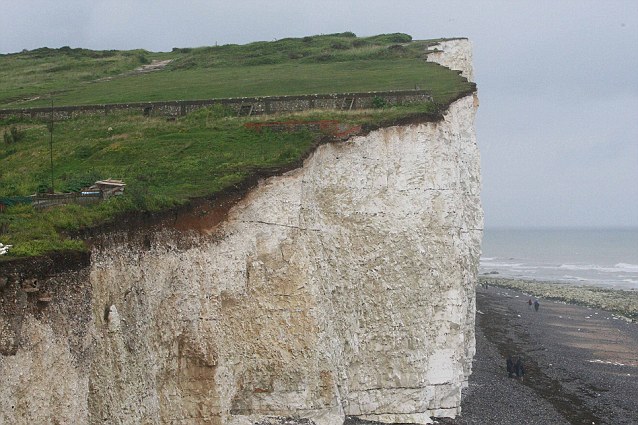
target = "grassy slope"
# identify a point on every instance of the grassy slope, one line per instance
(165, 163)
(261, 80)
(29, 76)
(320, 64)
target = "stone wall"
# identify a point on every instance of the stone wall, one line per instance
(256, 105)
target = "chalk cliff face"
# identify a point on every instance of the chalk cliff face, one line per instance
(454, 54)
(345, 287)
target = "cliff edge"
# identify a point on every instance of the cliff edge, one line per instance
(344, 287)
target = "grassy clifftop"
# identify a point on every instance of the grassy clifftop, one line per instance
(317, 64)
(166, 163)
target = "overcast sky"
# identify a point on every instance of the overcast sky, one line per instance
(558, 79)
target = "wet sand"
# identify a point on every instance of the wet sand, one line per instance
(582, 364)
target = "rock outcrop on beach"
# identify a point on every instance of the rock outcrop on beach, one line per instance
(344, 287)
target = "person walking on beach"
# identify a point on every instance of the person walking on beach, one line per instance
(529, 304)
(510, 366)
(519, 369)
(536, 305)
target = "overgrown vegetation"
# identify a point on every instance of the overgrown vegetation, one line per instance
(12, 135)
(166, 163)
(28, 78)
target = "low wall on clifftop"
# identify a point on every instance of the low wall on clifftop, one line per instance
(240, 105)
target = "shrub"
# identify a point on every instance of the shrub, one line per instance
(220, 111)
(186, 63)
(360, 43)
(348, 34)
(392, 38)
(75, 183)
(143, 59)
(324, 57)
(42, 188)
(338, 45)
(379, 102)
(14, 135)
(397, 48)
(12, 119)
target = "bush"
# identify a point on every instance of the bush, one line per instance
(139, 194)
(75, 183)
(143, 59)
(221, 111)
(360, 43)
(338, 45)
(42, 188)
(324, 57)
(348, 34)
(14, 135)
(392, 38)
(397, 48)
(379, 102)
(186, 63)
(13, 119)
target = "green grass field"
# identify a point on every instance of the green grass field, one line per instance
(166, 163)
(262, 80)
(320, 64)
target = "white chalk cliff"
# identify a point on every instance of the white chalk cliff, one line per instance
(345, 287)
(454, 54)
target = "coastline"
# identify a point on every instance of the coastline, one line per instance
(581, 361)
(623, 302)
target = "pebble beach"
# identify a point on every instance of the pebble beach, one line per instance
(581, 361)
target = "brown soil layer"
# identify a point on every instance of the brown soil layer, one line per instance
(196, 217)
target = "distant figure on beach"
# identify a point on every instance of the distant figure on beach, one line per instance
(529, 304)
(519, 369)
(510, 366)
(536, 305)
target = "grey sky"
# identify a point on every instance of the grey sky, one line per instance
(558, 121)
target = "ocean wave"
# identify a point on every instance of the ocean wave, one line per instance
(577, 278)
(496, 264)
(617, 268)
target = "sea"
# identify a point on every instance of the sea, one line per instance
(595, 257)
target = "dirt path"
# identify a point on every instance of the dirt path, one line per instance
(155, 65)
